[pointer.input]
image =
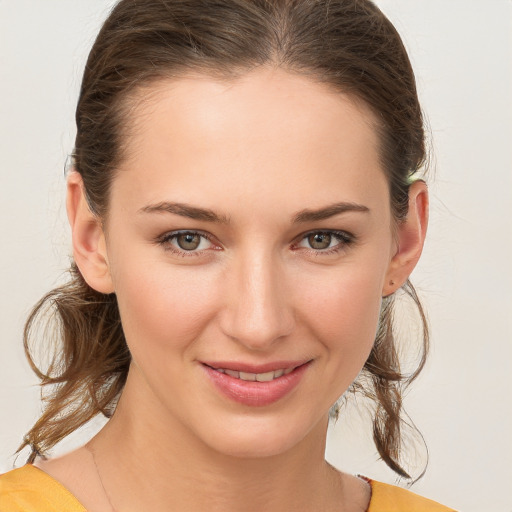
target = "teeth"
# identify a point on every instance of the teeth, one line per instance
(253, 377)
(247, 376)
(265, 377)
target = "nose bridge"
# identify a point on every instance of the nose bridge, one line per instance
(259, 310)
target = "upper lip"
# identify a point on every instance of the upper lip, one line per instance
(240, 366)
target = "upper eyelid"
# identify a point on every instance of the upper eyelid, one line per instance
(345, 242)
(341, 233)
(209, 236)
(172, 234)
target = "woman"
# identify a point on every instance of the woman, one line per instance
(243, 207)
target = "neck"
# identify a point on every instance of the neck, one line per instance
(144, 467)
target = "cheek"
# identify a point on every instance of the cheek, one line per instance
(161, 305)
(344, 312)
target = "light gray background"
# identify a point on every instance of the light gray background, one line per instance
(462, 54)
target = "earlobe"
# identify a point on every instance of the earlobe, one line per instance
(89, 247)
(410, 239)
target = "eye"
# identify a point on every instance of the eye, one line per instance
(326, 242)
(186, 243)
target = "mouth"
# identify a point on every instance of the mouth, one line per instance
(256, 385)
(255, 377)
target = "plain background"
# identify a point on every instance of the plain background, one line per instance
(462, 54)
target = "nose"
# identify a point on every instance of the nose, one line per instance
(258, 308)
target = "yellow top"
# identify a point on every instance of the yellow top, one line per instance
(29, 489)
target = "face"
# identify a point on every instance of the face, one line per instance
(249, 236)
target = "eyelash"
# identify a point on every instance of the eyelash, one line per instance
(345, 240)
(166, 239)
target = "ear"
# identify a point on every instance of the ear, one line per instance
(89, 247)
(410, 239)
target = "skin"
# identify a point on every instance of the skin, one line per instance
(255, 151)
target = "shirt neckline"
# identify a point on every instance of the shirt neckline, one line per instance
(70, 496)
(52, 484)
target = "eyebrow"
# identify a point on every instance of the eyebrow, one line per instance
(186, 210)
(205, 214)
(328, 212)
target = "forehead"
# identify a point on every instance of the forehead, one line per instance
(267, 131)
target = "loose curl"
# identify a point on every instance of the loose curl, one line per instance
(348, 45)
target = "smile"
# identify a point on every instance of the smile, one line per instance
(256, 385)
(255, 377)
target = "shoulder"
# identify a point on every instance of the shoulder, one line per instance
(28, 489)
(390, 498)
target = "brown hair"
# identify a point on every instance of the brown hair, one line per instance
(347, 44)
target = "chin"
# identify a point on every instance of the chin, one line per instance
(260, 439)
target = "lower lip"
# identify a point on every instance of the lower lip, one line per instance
(256, 394)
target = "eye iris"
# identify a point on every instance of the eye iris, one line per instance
(188, 241)
(319, 240)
